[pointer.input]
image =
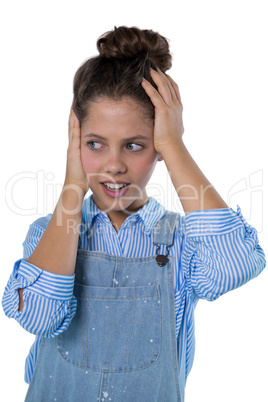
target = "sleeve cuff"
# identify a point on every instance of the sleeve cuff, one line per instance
(42, 282)
(214, 222)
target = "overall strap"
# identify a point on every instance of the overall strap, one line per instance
(164, 234)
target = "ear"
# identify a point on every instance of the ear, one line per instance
(160, 158)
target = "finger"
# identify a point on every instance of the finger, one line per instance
(70, 125)
(154, 95)
(176, 88)
(168, 83)
(75, 133)
(162, 86)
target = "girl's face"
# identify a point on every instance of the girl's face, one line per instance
(112, 151)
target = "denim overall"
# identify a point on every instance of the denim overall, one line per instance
(121, 344)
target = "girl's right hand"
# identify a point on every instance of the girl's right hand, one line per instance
(75, 175)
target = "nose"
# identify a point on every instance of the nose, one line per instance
(115, 163)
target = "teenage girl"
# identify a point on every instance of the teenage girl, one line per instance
(109, 284)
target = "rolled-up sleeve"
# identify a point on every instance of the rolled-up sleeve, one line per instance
(49, 303)
(221, 252)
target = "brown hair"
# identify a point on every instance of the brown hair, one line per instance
(126, 55)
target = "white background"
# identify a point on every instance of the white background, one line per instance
(220, 64)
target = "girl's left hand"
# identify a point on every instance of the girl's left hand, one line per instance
(168, 125)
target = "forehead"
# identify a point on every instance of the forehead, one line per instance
(125, 109)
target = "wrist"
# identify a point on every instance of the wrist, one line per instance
(166, 149)
(71, 199)
(80, 188)
(68, 211)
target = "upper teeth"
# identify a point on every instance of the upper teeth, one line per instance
(115, 186)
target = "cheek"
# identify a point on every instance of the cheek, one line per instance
(89, 163)
(146, 166)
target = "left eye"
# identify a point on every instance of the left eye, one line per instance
(133, 143)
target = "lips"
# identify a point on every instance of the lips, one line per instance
(115, 182)
(115, 193)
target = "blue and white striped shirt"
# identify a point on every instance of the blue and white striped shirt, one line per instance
(215, 251)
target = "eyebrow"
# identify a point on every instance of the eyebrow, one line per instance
(136, 137)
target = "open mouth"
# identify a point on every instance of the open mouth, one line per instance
(115, 190)
(115, 187)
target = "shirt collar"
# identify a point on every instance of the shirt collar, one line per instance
(149, 214)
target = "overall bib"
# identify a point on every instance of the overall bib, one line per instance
(121, 344)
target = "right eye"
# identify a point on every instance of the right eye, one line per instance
(92, 142)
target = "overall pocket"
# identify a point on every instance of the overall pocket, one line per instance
(114, 328)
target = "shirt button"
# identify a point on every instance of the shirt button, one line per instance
(31, 278)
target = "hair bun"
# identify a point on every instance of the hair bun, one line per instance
(128, 42)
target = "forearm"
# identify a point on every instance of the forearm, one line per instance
(57, 248)
(193, 188)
